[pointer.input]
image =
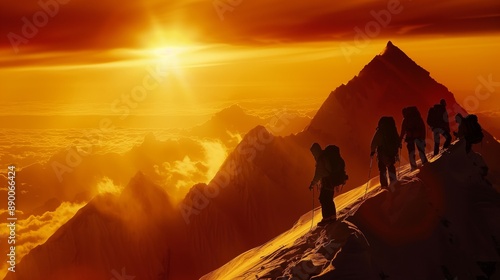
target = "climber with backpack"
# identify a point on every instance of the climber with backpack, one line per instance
(437, 119)
(413, 127)
(469, 130)
(330, 174)
(386, 143)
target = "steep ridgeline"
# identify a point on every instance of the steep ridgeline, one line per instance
(440, 222)
(259, 189)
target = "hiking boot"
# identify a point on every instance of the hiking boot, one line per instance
(392, 186)
(327, 221)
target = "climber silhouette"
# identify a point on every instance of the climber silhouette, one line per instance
(330, 173)
(386, 143)
(437, 119)
(469, 130)
(413, 132)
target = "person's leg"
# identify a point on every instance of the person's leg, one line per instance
(383, 170)
(436, 132)
(447, 138)
(326, 200)
(468, 146)
(411, 153)
(392, 172)
(421, 150)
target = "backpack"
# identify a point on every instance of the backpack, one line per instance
(390, 137)
(473, 131)
(433, 117)
(335, 165)
(415, 127)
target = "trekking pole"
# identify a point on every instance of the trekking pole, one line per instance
(399, 158)
(369, 174)
(312, 217)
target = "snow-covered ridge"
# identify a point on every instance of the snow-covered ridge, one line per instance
(440, 222)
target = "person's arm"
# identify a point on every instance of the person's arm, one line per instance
(320, 172)
(429, 118)
(446, 120)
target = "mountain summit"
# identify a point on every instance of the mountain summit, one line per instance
(397, 58)
(388, 83)
(394, 54)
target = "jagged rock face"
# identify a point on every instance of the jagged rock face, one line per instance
(320, 252)
(437, 225)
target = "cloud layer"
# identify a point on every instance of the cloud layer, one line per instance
(35, 230)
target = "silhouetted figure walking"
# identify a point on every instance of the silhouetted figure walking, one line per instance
(330, 173)
(437, 119)
(469, 130)
(413, 128)
(385, 143)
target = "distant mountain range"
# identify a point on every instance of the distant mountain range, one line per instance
(235, 119)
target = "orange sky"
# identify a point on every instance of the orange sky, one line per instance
(85, 58)
(87, 54)
(105, 24)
